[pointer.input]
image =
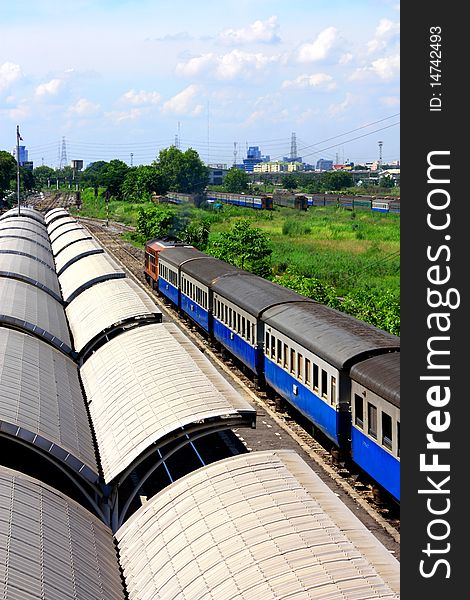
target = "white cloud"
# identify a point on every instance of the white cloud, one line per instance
(128, 115)
(9, 73)
(336, 109)
(385, 68)
(51, 88)
(140, 98)
(390, 100)
(237, 63)
(346, 58)
(196, 65)
(320, 48)
(19, 113)
(259, 31)
(84, 108)
(386, 32)
(184, 103)
(317, 80)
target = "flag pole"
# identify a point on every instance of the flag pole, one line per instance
(18, 166)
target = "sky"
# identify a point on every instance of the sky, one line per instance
(125, 78)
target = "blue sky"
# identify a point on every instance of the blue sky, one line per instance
(116, 77)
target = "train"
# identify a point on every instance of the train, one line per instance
(341, 374)
(299, 201)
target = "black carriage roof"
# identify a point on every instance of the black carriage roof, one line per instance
(338, 338)
(206, 271)
(381, 375)
(252, 293)
(177, 256)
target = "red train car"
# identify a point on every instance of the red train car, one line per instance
(152, 250)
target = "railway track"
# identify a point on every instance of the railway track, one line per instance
(277, 426)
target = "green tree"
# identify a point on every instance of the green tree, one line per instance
(42, 175)
(308, 286)
(245, 247)
(336, 180)
(7, 172)
(196, 233)
(236, 181)
(386, 182)
(93, 175)
(140, 182)
(182, 171)
(289, 182)
(114, 175)
(378, 307)
(155, 221)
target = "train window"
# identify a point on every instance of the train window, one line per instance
(292, 361)
(279, 352)
(324, 384)
(300, 367)
(359, 411)
(243, 326)
(387, 431)
(398, 438)
(238, 322)
(307, 372)
(372, 420)
(267, 347)
(225, 313)
(315, 377)
(286, 357)
(333, 390)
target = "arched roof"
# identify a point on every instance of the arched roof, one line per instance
(67, 236)
(51, 547)
(31, 309)
(30, 270)
(28, 225)
(86, 272)
(59, 223)
(42, 401)
(28, 247)
(75, 252)
(29, 213)
(147, 383)
(107, 305)
(55, 213)
(258, 525)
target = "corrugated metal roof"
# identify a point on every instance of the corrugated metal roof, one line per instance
(24, 224)
(75, 252)
(29, 213)
(258, 525)
(40, 393)
(380, 374)
(252, 293)
(176, 256)
(86, 272)
(207, 270)
(64, 239)
(51, 547)
(60, 222)
(32, 271)
(104, 305)
(27, 247)
(55, 213)
(332, 335)
(30, 308)
(22, 234)
(149, 382)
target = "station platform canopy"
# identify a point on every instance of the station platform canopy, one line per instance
(27, 246)
(67, 236)
(75, 252)
(258, 525)
(29, 213)
(31, 309)
(41, 402)
(151, 382)
(32, 271)
(106, 307)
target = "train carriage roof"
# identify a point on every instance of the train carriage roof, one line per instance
(177, 256)
(254, 294)
(208, 270)
(51, 547)
(258, 525)
(381, 375)
(332, 335)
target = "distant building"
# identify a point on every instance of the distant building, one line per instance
(23, 155)
(324, 165)
(253, 157)
(217, 174)
(28, 164)
(77, 165)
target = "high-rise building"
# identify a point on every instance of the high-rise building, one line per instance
(23, 155)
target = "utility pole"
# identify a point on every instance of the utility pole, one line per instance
(18, 138)
(107, 207)
(132, 156)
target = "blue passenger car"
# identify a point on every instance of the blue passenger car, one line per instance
(375, 407)
(308, 350)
